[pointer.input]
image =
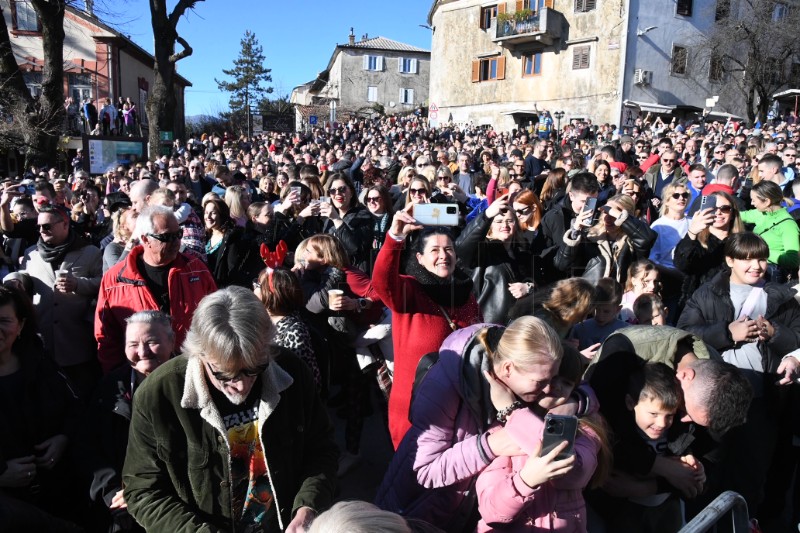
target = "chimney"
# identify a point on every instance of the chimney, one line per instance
(352, 37)
(89, 7)
(366, 36)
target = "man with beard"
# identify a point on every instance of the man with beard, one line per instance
(232, 436)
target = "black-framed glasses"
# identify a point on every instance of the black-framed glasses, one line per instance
(419, 192)
(222, 377)
(337, 190)
(684, 195)
(167, 237)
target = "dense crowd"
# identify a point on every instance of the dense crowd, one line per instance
(174, 333)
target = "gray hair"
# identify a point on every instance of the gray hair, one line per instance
(152, 318)
(232, 326)
(144, 223)
(358, 517)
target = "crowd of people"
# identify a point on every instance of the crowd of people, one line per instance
(174, 334)
(105, 117)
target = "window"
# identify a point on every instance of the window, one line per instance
(531, 65)
(715, 68)
(580, 57)
(680, 60)
(373, 63)
(407, 65)
(584, 6)
(372, 94)
(33, 80)
(23, 16)
(684, 8)
(723, 10)
(80, 87)
(493, 68)
(406, 96)
(488, 13)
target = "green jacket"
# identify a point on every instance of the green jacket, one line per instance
(177, 468)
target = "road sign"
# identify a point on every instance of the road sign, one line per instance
(433, 108)
(312, 120)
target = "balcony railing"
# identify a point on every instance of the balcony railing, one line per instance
(542, 26)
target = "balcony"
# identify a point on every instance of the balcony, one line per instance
(542, 26)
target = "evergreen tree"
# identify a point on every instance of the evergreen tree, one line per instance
(249, 78)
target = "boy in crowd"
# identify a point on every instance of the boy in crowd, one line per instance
(649, 310)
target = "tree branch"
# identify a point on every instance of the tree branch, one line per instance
(186, 52)
(180, 9)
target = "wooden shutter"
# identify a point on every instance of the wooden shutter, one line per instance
(590, 5)
(580, 57)
(476, 70)
(415, 66)
(379, 64)
(501, 68)
(366, 62)
(520, 5)
(501, 8)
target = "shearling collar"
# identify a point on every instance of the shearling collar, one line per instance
(196, 394)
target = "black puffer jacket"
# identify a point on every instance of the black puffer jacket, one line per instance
(589, 258)
(698, 263)
(710, 310)
(355, 234)
(492, 268)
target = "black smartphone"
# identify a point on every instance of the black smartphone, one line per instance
(557, 429)
(590, 205)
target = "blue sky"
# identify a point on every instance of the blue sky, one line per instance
(298, 37)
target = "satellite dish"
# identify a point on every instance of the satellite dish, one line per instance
(392, 104)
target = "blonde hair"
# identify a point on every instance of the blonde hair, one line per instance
(622, 201)
(119, 221)
(429, 172)
(234, 198)
(670, 188)
(526, 342)
(358, 517)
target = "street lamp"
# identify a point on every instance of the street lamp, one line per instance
(559, 115)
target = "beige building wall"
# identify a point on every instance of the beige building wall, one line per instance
(587, 93)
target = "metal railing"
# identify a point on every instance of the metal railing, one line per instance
(728, 501)
(529, 24)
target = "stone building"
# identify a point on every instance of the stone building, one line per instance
(604, 61)
(363, 77)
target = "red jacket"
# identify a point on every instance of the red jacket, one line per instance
(123, 292)
(418, 327)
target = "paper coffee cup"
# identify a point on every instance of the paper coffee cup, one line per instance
(61, 273)
(334, 296)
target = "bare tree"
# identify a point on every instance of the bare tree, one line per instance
(753, 49)
(162, 103)
(34, 126)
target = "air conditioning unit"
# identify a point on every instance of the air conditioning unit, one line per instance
(641, 77)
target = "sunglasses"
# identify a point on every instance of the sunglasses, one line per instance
(719, 151)
(790, 155)
(724, 209)
(669, 160)
(373, 199)
(684, 195)
(337, 190)
(245, 373)
(167, 237)
(45, 227)
(418, 192)
(523, 212)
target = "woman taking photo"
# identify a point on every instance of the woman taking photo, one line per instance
(433, 299)
(347, 220)
(776, 226)
(295, 218)
(700, 254)
(483, 378)
(610, 246)
(492, 250)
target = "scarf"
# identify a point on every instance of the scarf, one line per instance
(381, 222)
(54, 254)
(449, 293)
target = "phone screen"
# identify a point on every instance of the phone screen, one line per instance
(589, 206)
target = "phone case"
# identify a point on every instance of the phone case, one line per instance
(558, 428)
(436, 214)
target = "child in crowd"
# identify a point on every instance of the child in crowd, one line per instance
(645, 506)
(607, 306)
(532, 493)
(643, 278)
(649, 310)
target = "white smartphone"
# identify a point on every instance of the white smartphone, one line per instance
(436, 214)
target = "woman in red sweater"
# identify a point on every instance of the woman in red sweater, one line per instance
(428, 304)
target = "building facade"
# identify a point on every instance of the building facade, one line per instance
(364, 77)
(99, 62)
(591, 59)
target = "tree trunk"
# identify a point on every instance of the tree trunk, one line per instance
(43, 141)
